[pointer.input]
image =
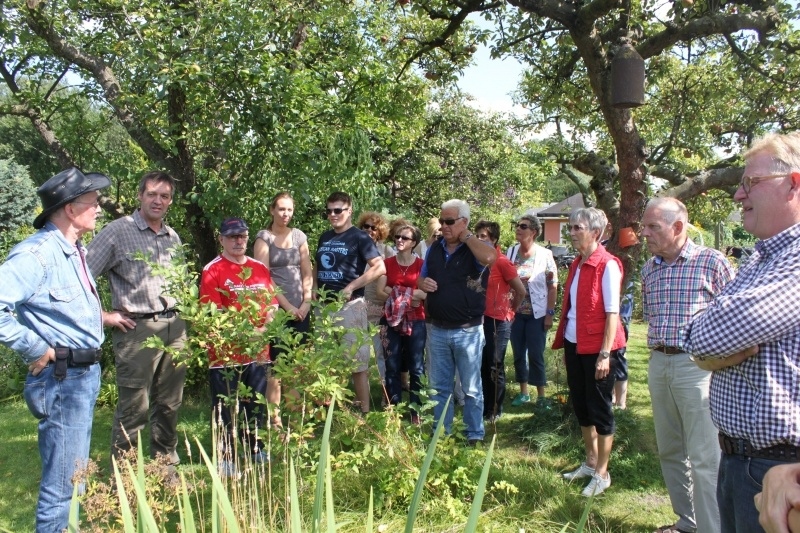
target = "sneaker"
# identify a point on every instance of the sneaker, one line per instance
(581, 471)
(597, 485)
(260, 457)
(520, 399)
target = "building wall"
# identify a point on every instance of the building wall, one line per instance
(552, 230)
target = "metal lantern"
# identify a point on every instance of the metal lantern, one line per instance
(627, 78)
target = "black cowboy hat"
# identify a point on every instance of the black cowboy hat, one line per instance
(64, 187)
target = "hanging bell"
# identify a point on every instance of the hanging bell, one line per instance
(627, 78)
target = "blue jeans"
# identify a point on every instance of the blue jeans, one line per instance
(528, 338)
(409, 349)
(64, 410)
(739, 480)
(458, 349)
(493, 367)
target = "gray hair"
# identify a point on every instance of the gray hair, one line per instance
(530, 216)
(460, 205)
(784, 149)
(594, 219)
(670, 209)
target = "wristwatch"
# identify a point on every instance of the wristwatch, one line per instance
(605, 354)
(467, 237)
(551, 312)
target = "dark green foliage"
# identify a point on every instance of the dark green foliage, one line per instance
(18, 200)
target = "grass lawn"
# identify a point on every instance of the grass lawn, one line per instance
(530, 454)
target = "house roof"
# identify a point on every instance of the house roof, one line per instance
(563, 208)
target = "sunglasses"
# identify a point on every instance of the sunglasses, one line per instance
(577, 227)
(335, 211)
(403, 238)
(523, 226)
(449, 221)
(369, 227)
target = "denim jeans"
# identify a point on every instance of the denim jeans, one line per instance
(493, 367)
(64, 410)
(408, 348)
(739, 480)
(458, 349)
(528, 338)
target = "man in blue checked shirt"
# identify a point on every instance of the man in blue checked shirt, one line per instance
(680, 280)
(50, 314)
(750, 337)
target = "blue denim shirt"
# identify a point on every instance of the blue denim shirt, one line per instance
(41, 285)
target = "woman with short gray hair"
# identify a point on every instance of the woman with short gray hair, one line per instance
(589, 332)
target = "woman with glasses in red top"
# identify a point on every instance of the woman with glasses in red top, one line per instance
(403, 329)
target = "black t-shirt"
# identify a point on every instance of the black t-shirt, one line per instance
(342, 257)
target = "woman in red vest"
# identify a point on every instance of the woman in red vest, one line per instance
(589, 332)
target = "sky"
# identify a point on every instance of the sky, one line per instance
(491, 81)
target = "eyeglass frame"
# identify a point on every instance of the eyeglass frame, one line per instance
(403, 238)
(746, 183)
(449, 221)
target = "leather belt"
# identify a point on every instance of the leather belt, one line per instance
(668, 350)
(779, 452)
(455, 325)
(166, 313)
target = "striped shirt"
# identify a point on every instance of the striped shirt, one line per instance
(113, 251)
(673, 293)
(758, 399)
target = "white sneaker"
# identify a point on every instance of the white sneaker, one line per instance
(581, 471)
(597, 485)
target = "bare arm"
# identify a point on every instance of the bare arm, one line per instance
(375, 270)
(484, 252)
(724, 362)
(552, 294)
(519, 292)
(604, 365)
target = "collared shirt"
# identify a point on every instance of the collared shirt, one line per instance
(114, 250)
(674, 293)
(44, 302)
(758, 399)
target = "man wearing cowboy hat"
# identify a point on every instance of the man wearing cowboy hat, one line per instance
(50, 314)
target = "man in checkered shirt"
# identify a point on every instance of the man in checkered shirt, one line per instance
(750, 337)
(680, 280)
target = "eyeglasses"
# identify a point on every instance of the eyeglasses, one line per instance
(236, 237)
(403, 238)
(94, 204)
(368, 227)
(335, 210)
(523, 226)
(449, 221)
(748, 181)
(576, 227)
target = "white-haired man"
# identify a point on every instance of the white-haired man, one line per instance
(454, 276)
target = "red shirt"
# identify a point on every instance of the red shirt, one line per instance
(498, 291)
(220, 282)
(405, 277)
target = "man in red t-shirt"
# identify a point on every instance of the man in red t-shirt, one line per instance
(222, 281)
(504, 293)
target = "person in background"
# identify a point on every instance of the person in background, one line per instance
(534, 317)
(504, 293)
(285, 251)
(433, 231)
(346, 261)
(678, 282)
(749, 336)
(50, 315)
(375, 225)
(453, 278)
(403, 325)
(149, 381)
(226, 280)
(589, 332)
